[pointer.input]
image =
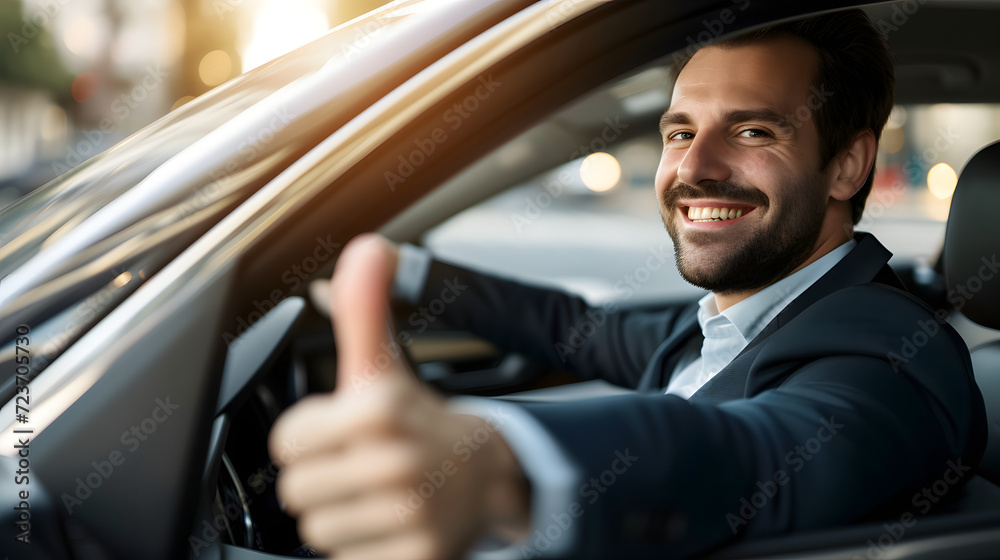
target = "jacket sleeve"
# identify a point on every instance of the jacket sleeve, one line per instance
(864, 411)
(555, 328)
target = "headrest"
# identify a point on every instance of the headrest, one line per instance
(972, 240)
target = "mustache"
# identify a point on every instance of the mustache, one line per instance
(714, 189)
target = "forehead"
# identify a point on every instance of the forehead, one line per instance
(774, 73)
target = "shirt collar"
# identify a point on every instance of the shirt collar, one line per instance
(751, 315)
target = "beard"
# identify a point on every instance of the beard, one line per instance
(782, 238)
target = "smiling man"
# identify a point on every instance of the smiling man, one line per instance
(773, 404)
(749, 192)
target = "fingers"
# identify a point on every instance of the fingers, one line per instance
(359, 453)
(367, 353)
(337, 478)
(328, 423)
(405, 545)
(319, 296)
(346, 524)
(359, 303)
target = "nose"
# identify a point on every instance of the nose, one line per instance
(705, 159)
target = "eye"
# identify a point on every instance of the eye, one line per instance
(754, 133)
(681, 135)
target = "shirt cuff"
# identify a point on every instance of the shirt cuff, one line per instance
(552, 475)
(411, 273)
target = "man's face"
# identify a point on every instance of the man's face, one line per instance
(734, 145)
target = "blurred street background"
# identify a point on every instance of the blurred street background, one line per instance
(78, 76)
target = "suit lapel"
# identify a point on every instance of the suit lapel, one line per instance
(862, 265)
(671, 350)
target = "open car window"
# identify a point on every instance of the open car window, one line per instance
(591, 225)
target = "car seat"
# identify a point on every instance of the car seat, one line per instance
(972, 278)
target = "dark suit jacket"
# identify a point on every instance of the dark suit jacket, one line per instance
(853, 397)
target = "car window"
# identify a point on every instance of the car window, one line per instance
(591, 225)
(921, 153)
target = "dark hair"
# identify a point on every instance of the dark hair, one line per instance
(855, 66)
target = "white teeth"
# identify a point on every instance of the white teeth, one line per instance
(706, 214)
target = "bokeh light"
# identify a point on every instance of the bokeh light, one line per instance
(892, 140)
(84, 86)
(941, 180)
(122, 279)
(600, 172)
(897, 118)
(181, 101)
(215, 68)
(85, 35)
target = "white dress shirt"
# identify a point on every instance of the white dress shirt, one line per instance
(728, 333)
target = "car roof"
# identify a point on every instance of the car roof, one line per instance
(943, 54)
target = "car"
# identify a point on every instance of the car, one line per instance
(155, 307)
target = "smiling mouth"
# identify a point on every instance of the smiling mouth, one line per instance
(701, 214)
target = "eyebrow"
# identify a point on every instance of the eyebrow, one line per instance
(734, 116)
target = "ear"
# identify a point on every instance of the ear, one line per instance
(853, 164)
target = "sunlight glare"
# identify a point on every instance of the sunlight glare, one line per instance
(280, 26)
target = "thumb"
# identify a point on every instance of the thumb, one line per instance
(359, 302)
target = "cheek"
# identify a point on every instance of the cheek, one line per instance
(763, 171)
(666, 174)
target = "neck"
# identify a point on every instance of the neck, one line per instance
(834, 233)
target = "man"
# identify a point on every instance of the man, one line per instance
(789, 402)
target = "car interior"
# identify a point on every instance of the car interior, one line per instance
(934, 66)
(513, 142)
